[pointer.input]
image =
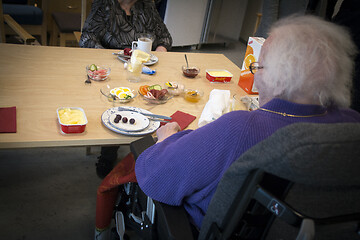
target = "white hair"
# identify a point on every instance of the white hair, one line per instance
(308, 56)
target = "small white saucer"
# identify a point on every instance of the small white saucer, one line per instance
(153, 59)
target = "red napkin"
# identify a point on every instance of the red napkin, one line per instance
(8, 120)
(183, 119)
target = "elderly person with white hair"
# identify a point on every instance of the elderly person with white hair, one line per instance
(303, 75)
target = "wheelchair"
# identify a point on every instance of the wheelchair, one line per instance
(268, 198)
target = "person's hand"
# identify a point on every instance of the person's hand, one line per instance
(161, 49)
(167, 130)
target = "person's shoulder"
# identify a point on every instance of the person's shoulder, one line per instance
(147, 2)
(243, 114)
(353, 114)
(101, 5)
(236, 119)
(347, 114)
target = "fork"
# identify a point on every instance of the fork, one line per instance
(88, 81)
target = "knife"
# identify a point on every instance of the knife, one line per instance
(146, 114)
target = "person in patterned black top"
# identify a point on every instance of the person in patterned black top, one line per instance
(115, 24)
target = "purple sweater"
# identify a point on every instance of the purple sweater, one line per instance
(186, 167)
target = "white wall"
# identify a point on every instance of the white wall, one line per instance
(184, 20)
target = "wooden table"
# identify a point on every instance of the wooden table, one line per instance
(39, 79)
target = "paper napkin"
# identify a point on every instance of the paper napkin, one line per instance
(183, 119)
(218, 104)
(8, 120)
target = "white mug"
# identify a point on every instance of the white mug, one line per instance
(143, 44)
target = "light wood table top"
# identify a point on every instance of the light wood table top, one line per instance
(39, 79)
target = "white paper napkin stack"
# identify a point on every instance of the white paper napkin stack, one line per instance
(218, 104)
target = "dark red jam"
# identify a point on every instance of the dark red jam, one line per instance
(191, 72)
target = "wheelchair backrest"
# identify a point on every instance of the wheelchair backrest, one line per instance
(319, 166)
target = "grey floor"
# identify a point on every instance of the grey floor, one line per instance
(50, 193)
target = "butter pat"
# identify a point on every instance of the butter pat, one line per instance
(138, 57)
(71, 116)
(220, 74)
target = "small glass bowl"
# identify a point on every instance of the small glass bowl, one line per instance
(157, 101)
(163, 100)
(193, 95)
(112, 97)
(174, 88)
(100, 74)
(190, 71)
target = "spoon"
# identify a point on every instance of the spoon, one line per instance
(187, 63)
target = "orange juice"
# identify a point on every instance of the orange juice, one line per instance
(246, 80)
(192, 95)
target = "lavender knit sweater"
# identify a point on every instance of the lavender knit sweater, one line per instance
(187, 167)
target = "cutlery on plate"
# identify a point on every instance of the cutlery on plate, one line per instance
(122, 59)
(146, 114)
(158, 120)
(122, 55)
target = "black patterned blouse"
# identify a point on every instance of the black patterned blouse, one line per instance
(108, 26)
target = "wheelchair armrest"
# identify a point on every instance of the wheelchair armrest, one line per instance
(172, 222)
(140, 145)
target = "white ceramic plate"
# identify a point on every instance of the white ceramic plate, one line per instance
(141, 122)
(152, 127)
(153, 59)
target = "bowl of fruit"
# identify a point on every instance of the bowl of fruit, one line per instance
(97, 72)
(154, 94)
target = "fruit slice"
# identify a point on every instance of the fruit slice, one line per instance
(144, 89)
(156, 87)
(93, 67)
(248, 60)
(171, 85)
(249, 50)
